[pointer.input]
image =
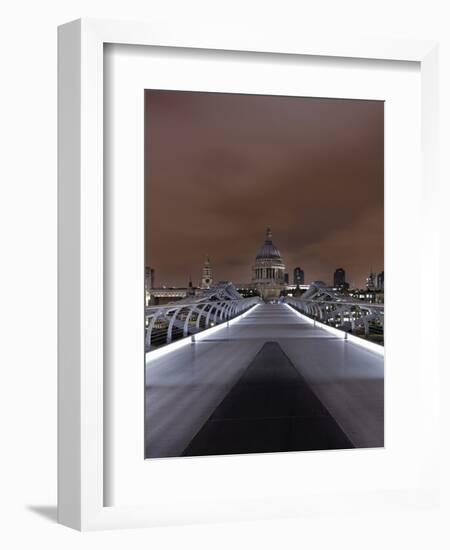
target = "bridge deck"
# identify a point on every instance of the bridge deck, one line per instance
(186, 386)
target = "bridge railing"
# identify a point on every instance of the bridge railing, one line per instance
(346, 314)
(165, 324)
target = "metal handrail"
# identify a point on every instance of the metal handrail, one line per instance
(346, 314)
(346, 301)
(166, 323)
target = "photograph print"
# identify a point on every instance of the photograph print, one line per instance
(264, 274)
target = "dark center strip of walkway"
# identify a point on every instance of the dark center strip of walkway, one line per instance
(271, 408)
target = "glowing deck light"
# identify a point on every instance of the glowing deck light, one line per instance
(173, 346)
(376, 348)
(207, 332)
(371, 346)
(188, 340)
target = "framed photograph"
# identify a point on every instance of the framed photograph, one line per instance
(229, 209)
(277, 379)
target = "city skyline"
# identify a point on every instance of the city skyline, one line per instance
(222, 167)
(197, 281)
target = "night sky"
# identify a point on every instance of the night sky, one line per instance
(220, 168)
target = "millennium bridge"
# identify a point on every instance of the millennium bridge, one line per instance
(227, 375)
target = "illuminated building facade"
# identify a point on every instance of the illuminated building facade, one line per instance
(299, 276)
(268, 270)
(339, 278)
(380, 281)
(370, 282)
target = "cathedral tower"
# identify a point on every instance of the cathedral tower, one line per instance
(207, 279)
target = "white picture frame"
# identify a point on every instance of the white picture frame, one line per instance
(81, 481)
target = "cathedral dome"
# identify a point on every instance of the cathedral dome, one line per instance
(268, 250)
(268, 269)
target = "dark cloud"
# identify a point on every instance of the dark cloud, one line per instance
(221, 167)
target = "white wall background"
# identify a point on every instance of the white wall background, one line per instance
(28, 271)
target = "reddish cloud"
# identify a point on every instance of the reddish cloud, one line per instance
(221, 167)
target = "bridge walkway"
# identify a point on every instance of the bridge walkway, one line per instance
(220, 377)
